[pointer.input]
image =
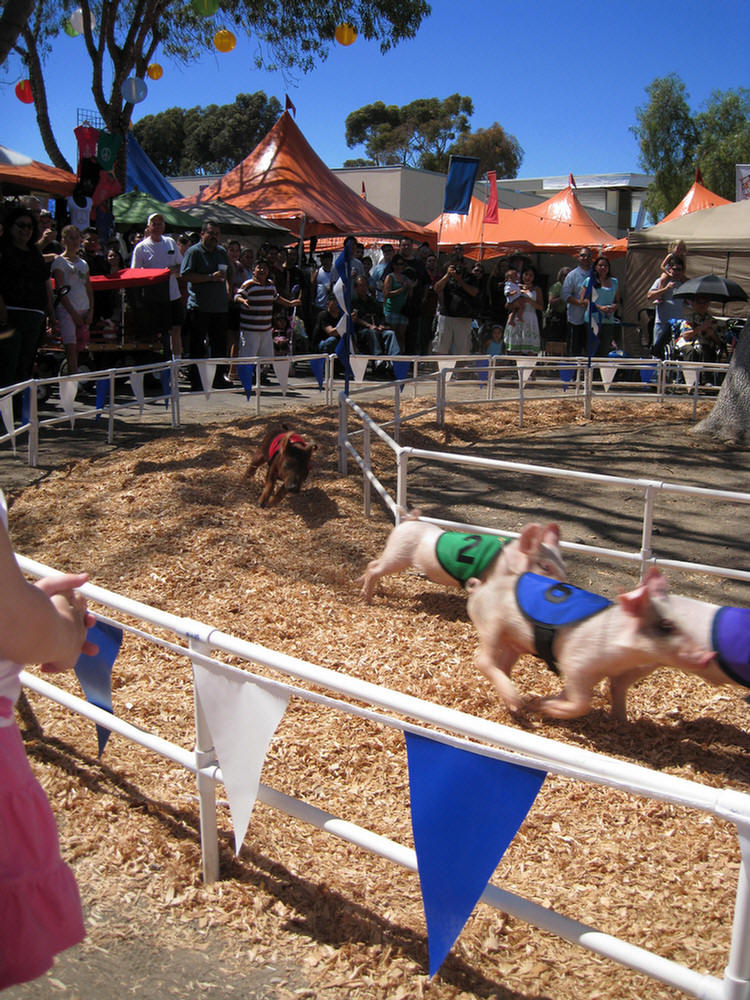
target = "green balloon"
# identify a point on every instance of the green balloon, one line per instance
(205, 8)
(70, 30)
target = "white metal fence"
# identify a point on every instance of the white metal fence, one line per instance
(196, 640)
(480, 379)
(356, 442)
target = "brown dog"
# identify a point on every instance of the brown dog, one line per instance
(287, 455)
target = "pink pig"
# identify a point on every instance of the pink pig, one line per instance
(420, 544)
(622, 641)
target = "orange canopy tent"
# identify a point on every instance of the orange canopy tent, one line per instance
(558, 225)
(284, 180)
(696, 199)
(23, 172)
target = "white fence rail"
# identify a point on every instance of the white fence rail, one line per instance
(195, 640)
(494, 378)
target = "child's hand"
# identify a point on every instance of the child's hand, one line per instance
(71, 607)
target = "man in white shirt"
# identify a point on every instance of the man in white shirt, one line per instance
(165, 313)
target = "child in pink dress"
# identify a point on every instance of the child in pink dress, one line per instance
(40, 909)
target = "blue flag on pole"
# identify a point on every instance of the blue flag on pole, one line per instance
(343, 292)
(462, 175)
(465, 810)
(94, 672)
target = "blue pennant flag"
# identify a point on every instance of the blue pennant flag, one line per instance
(465, 810)
(166, 383)
(482, 366)
(247, 378)
(401, 369)
(102, 392)
(318, 366)
(459, 187)
(26, 405)
(94, 673)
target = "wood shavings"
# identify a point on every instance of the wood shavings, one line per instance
(174, 523)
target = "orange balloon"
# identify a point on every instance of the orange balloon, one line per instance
(345, 34)
(224, 40)
(155, 71)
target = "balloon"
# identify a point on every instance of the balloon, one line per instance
(224, 40)
(205, 8)
(134, 90)
(70, 30)
(155, 71)
(345, 34)
(23, 92)
(76, 22)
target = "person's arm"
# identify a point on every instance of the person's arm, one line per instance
(655, 293)
(289, 303)
(43, 623)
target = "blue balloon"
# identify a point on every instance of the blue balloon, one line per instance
(134, 90)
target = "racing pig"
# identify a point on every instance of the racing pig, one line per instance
(452, 557)
(582, 636)
(726, 630)
(288, 458)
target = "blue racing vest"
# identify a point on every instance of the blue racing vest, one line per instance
(730, 636)
(549, 604)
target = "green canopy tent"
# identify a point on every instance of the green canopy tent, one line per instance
(238, 222)
(132, 210)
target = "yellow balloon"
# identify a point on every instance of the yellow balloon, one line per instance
(224, 40)
(345, 34)
(155, 71)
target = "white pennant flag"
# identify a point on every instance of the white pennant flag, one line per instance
(608, 374)
(282, 374)
(338, 292)
(207, 371)
(359, 367)
(68, 389)
(525, 368)
(690, 375)
(6, 409)
(445, 363)
(242, 718)
(136, 384)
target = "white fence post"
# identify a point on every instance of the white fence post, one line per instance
(204, 757)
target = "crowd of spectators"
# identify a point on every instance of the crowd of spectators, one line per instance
(227, 299)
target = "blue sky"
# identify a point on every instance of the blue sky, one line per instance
(565, 79)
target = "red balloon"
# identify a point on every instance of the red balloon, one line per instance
(23, 92)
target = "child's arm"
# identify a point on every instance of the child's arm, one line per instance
(45, 623)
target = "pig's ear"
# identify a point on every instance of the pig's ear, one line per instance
(635, 601)
(551, 534)
(530, 537)
(657, 583)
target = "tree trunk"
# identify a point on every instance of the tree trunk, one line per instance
(41, 107)
(729, 421)
(12, 21)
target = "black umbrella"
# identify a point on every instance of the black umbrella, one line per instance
(713, 287)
